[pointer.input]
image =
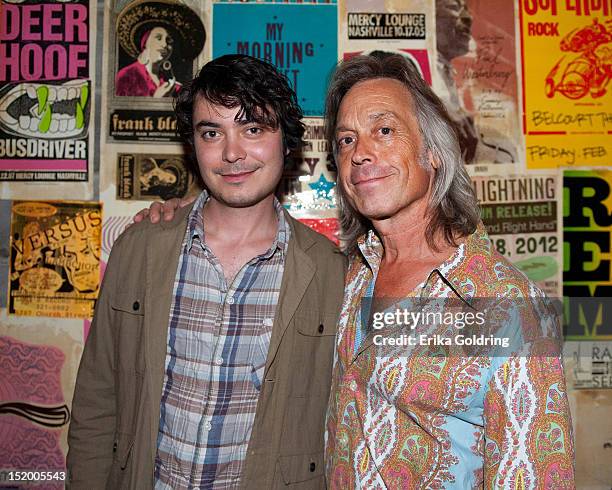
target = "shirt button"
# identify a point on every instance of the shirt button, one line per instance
(230, 300)
(219, 361)
(321, 328)
(353, 385)
(136, 306)
(208, 425)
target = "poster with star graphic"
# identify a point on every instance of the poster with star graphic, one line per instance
(46, 100)
(308, 188)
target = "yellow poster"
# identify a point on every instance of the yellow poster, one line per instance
(55, 258)
(566, 50)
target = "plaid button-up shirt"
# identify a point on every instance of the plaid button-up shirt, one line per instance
(218, 340)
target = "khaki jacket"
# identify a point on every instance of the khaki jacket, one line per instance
(116, 407)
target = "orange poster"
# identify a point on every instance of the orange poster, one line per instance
(566, 50)
(55, 258)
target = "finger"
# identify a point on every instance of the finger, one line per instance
(168, 214)
(168, 208)
(155, 211)
(142, 214)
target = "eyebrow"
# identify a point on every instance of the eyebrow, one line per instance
(211, 124)
(382, 115)
(372, 117)
(207, 124)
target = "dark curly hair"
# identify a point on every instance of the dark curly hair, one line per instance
(262, 93)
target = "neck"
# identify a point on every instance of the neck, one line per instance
(240, 224)
(403, 236)
(144, 59)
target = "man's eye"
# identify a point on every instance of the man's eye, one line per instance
(385, 130)
(255, 130)
(346, 140)
(209, 134)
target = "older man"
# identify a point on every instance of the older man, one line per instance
(423, 417)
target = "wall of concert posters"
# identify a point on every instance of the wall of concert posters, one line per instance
(88, 137)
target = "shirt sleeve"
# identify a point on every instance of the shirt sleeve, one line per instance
(528, 430)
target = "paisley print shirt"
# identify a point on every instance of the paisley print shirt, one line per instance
(408, 420)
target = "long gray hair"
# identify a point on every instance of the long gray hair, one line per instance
(453, 207)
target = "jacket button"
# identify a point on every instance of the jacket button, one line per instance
(312, 467)
(321, 328)
(136, 306)
(115, 446)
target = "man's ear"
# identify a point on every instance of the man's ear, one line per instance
(432, 160)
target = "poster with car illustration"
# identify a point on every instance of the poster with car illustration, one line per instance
(566, 49)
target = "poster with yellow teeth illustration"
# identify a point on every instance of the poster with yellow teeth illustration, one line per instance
(46, 62)
(55, 258)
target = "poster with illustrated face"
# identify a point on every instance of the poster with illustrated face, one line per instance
(46, 100)
(566, 50)
(55, 258)
(153, 49)
(151, 177)
(476, 78)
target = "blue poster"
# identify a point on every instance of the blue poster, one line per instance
(300, 40)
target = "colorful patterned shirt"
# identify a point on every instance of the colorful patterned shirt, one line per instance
(403, 418)
(218, 340)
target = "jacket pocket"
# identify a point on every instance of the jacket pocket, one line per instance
(312, 354)
(301, 467)
(129, 302)
(120, 472)
(316, 325)
(129, 316)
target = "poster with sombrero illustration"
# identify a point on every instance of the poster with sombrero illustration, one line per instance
(154, 49)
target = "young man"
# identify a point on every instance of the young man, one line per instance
(209, 360)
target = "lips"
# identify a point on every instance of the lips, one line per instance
(237, 176)
(369, 176)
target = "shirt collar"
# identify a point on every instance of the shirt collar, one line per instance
(195, 227)
(454, 271)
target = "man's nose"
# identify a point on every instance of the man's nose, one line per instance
(363, 152)
(233, 150)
